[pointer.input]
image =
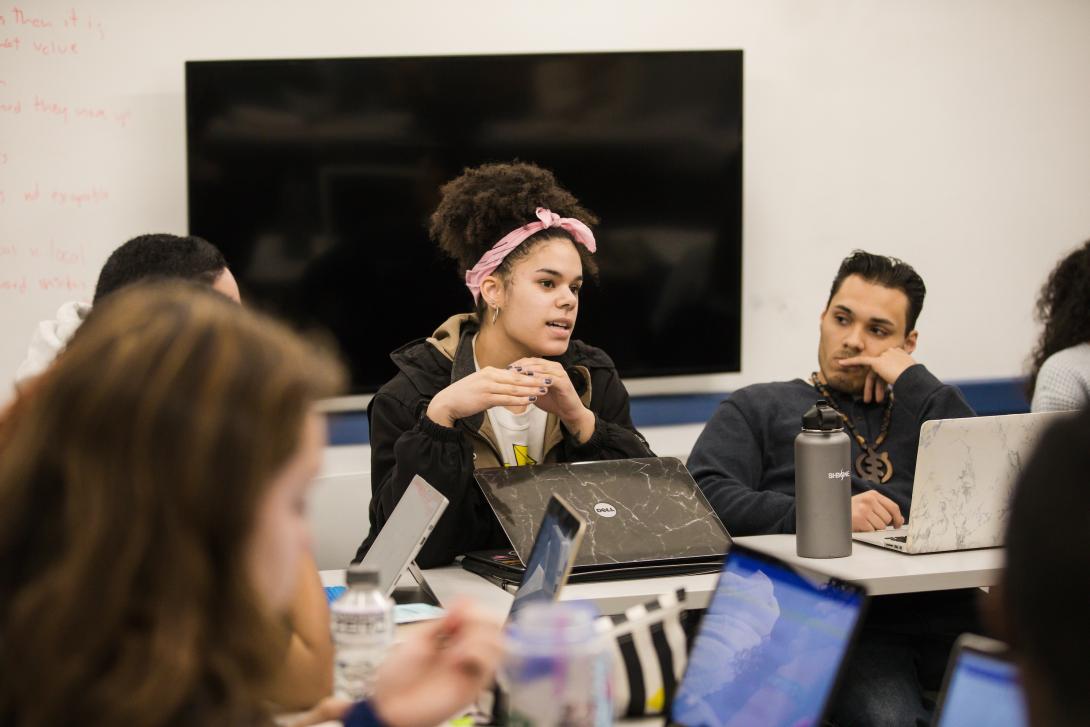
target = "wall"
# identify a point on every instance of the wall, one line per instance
(956, 135)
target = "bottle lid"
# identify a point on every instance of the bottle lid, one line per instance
(551, 626)
(821, 418)
(362, 575)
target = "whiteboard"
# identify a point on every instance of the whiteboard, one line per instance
(955, 135)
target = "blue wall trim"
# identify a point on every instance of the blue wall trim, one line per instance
(986, 396)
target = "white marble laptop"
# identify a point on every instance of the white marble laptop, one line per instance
(965, 469)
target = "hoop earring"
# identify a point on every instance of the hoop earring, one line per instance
(495, 314)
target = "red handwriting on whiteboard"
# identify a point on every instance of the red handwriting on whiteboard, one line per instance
(55, 48)
(61, 110)
(15, 108)
(94, 195)
(64, 197)
(62, 254)
(12, 42)
(9, 249)
(121, 118)
(26, 20)
(21, 18)
(62, 282)
(13, 285)
(52, 108)
(73, 20)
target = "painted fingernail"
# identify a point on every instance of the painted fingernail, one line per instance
(542, 390)
(527, 373)
(533, 398)
(548, 381)
(516, 368)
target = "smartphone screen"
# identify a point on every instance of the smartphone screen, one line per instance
(552, 554)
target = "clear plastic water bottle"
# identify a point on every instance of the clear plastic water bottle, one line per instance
(362, 621)
(556, 670)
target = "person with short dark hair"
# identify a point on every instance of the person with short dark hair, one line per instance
(141, 258)
(1045, 592)
(744, 461)
(1059, 378)
(505, 385)
(166, 256)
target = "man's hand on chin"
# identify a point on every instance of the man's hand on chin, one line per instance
(885, 369)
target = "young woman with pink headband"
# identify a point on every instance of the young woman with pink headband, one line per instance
(507, 384)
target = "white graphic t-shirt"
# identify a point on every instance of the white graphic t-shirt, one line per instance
(521, 437)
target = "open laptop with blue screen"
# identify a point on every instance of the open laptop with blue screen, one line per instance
(770, 646)
(551, 556)
(981, 687)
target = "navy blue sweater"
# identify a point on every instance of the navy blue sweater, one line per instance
(744, 460)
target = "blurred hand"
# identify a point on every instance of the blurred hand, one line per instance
(885, 369)
(440, 669)
(872, 511)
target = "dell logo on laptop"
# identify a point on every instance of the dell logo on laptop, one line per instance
(605, 509)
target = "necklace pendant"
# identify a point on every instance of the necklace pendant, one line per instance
(874, 466)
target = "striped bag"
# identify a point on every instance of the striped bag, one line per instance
(650, 649)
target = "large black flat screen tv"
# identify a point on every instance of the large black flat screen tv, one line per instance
(316, 178)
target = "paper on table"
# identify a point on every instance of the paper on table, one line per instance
(405, 613)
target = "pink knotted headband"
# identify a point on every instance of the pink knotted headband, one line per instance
(492, 259)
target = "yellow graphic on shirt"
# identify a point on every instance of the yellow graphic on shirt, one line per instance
(522, 455)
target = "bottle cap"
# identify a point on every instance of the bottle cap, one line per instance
(821, 418)
(362, 575)
(553, 626)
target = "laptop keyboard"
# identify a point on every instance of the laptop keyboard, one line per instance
(899, 538)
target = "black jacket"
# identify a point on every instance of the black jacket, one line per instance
(405, 443)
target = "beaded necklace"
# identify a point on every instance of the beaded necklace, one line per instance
(872, 465)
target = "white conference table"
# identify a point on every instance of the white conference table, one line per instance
(883, 572)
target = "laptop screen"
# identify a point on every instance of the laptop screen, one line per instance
(769, 648)
(985, 690)
(646, 510)
(548, 564)
(404, 532)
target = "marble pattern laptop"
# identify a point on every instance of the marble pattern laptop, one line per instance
(965, 470)
(637, 510)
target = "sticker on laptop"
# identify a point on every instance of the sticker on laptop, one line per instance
(605, 509)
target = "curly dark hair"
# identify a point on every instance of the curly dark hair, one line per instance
(1064, 309)
(479, 207)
